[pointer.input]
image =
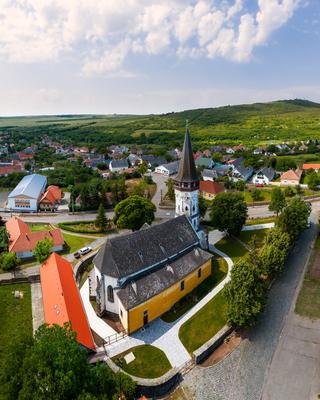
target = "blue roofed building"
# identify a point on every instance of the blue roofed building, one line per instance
(27, 194)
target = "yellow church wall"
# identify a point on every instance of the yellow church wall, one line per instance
(159, 304)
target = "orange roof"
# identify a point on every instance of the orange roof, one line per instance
(23, 239)
(211, 187)
(291, 175)
(56, 191)
(61, 298)
(311, 166)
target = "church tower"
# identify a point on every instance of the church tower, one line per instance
(186, 184)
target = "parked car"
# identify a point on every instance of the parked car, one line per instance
(76, 254)
(85, 250)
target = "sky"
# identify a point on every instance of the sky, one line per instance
(155, 56)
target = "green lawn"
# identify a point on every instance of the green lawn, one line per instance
(40, 227)
(232, 248)
(15, 315)
(257, 221)
(246, 236)
(219, 271)
(75, 243)
(308, 302)
(204, 324)
(150, 362)
(85, 228)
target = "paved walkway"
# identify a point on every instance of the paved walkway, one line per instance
(37, 306)
(96, 324)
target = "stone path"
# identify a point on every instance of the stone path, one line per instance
(37, 306)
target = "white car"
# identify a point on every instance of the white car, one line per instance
(85, 250)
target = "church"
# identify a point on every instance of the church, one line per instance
(141, 275)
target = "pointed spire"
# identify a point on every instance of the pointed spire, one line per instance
(187, 170)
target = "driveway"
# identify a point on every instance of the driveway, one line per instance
(241, 375)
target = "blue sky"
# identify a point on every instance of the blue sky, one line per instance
(153, 56)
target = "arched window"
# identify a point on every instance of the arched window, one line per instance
(186, 208)
(110, 294)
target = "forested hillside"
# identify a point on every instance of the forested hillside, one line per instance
(251, 124)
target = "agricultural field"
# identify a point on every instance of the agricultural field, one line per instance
(253, 124)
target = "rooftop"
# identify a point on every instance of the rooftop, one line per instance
(30, 186)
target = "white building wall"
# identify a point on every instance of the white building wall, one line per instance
(187, 204)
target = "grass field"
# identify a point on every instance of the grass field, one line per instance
(15, 315)
(258, 221)
(150, 362)
(219, 271)
(75, 243)
(40, 227)
(308, 302)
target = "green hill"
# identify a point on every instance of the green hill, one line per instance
(248, 123)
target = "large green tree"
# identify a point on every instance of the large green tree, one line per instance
(229, 212)
(278, 200)
(133, 212)
(53, 366)
(313, 180)
(9, 261)
(246, 294)
(43, 249)
(294, 218)
(170, 189)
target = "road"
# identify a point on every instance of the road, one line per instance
(242, 374)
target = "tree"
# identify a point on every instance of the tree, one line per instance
(278, 200)
(101, 221)
(4, 239)
(43, 249)
(240, 185)
(170, 189)
(102, 166)
(294, 218)
(229, 212)
(133, 212)
(203, 206)
(54, 366)
(299, 190)
(9, 261)
(313, 180)
(245, 293)
(256, 194)
(289, 192)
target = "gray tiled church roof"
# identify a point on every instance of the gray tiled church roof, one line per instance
(130, 254)
(187, 169)
(147, 286)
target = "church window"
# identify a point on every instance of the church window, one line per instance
(182, 286)
(199, 273)
(110, 294)
(186, 208)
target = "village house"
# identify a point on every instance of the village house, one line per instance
(291, 177)
(168, 169)
(23, 241)
(239, 171)
(209, 175)
(141, 275)
(209, 190)
(27, 194)
(118, 165)
(152, 161)
(314, 166)
(51, 198)
(204, 162)
(264, 176)
(61, 299)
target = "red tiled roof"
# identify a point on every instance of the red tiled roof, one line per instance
(53, 194)
(311, 166)
(10, 169)
(211, 187)
(23, 239)
(61, 298)
(291, 175)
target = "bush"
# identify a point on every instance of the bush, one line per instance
(73, 227)
(9, 261)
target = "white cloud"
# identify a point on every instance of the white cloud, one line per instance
(101, 34)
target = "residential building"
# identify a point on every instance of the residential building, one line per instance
(168, 169)
(209, 175)
(209, 189)
(8, 168)
(23, 241)
(61, 299)
(264, 176)
(314, 166)
(153, 161)
(291, 177)
(27, 194)
(51, 198)
(204, 162)
(239, 171)
(118, 165)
